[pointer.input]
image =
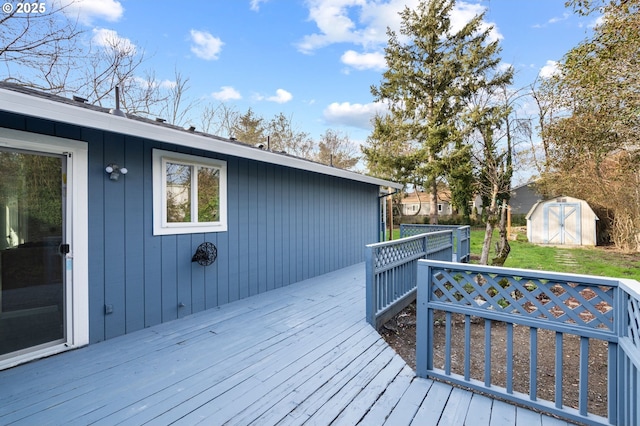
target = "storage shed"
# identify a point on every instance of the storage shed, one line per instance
(113, 223)
(562, 221)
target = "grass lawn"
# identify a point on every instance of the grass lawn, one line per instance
(601, 261)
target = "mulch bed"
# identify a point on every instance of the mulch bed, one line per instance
(400, 333)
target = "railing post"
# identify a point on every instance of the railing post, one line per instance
(423, 322)
(617, 402)
(371, 293)
(450, 259)
(459, 244)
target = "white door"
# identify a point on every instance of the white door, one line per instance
(562, 222)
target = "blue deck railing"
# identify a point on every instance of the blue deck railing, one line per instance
(391, 269)
(593, 310)
(462, 237)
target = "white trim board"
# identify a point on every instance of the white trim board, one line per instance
(50, 109)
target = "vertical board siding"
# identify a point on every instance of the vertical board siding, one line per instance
(114, 248)
(96, 245)
(134, 241)
(200, 298)
(284, 225)
(152, 250)
(185, 281)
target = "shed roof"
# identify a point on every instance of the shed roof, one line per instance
(22, 100)
(559, 199)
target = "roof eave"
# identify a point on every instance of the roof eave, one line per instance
(57, 111)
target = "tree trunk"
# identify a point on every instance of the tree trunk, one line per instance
(433, 214)
(492, 219)
(502, 245)
(486, 244)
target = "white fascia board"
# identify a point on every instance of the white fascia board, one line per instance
(58, 111)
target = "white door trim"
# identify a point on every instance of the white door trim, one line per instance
(76, 262)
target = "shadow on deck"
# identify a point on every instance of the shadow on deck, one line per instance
(299, 354)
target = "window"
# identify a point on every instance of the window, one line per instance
(439, 208)
(189, 194)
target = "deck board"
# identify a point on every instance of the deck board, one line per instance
(301, 354)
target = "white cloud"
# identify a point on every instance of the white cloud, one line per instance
(145, 83)
(354, 115)
(226, 93)
(205, 46)
(281, 97)
(549, 70)
(364, 61)
(168, 84)
(255, 4)
(88, 10)
(465, 12)
(364, 22)
(557, 19)
(109, 39)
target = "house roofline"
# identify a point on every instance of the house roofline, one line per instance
(32, 103)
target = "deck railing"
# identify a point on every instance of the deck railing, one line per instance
(462, 237)
(592, 310)
(391, 269)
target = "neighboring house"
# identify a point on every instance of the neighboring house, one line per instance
(523, 198)
(91, 253)
(418, 203)
(562, 221)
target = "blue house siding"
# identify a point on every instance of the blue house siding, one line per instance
(284, 225)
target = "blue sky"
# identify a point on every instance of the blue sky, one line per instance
(313, 60)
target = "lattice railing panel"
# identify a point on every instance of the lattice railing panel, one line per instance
(557, 301)
(633, 325)
(407, 230)
(387, 256)
(438, 241)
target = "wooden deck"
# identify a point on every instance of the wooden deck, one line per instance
(298, 355)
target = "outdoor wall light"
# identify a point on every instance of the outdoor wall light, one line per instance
(115, 171)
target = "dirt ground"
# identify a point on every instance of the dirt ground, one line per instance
(400, 333)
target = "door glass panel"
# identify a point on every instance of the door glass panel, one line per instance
(31, 266)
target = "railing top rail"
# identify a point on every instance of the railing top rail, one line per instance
(406, 239)
(531, 273)
(424, 225)
(632, 287)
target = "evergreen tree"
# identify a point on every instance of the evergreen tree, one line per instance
(249, 128)
(431, 74)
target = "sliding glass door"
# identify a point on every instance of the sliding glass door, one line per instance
(32, 248)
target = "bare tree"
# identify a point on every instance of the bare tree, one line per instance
(335, 149)
(283, 136)
(177, 106)
(219, 119)
(115, 62)
(39, 49)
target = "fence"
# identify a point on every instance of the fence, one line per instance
(462, 237)
(593, 310)
(391, 269)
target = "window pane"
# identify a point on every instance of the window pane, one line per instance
(208, 194)
(178, 192)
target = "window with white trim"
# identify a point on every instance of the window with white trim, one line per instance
(189, 194)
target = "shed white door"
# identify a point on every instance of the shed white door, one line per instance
(562, 223)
